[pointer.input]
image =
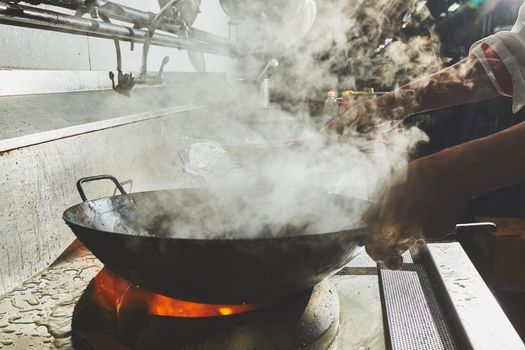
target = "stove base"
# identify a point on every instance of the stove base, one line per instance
(309, 320)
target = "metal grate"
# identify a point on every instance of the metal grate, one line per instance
(414, 316)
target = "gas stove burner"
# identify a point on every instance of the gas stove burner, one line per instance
(114, 314)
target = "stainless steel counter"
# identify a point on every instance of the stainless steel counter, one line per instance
(36, 118)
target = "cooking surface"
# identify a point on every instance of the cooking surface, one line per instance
(112, 314)
(45, 304)
(449, 310)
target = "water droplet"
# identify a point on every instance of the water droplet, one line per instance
(32, 301)
(14, 318)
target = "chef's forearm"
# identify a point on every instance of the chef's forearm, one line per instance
(464, 82)
(488, 163)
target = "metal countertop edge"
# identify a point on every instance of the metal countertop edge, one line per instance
(51, 135)
(485, 324)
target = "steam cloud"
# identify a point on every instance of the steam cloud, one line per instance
(359, 44)
(267, 173)
(267, 188)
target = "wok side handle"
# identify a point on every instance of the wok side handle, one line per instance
(95, 178)
(472, 228)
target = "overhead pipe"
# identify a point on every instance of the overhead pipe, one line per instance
(151, 31)
(139, 18)
(28, 16)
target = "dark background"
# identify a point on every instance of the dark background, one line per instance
(458, 30)
(448, 127)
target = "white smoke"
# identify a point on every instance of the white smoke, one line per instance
(268, 174)
(259, 186)
(359, 44)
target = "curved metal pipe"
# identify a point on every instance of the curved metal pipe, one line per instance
(152, 27)
(272, 63)
(117, 45)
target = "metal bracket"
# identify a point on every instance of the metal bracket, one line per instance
(153, 78)
(125, 82)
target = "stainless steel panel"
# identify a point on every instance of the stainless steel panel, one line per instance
(34, 114)
(484, 322)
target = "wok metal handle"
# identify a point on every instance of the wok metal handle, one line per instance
(471, 228)
(95, 178)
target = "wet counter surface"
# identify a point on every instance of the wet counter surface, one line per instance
(37, 315)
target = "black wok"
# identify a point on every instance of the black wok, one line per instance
(217, 270)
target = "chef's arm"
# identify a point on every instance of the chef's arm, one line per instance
(446, 180)
(491, 162)
(464, 82)
(461, 83)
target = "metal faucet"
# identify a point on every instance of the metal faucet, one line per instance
(126, 82)
(271, 63)
(262, 82)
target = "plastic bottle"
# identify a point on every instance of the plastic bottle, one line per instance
(330, 107)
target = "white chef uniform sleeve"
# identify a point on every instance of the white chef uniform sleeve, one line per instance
(503, 57)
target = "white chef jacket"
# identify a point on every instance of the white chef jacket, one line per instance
(503, 57)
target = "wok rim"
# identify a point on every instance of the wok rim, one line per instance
(355, 231)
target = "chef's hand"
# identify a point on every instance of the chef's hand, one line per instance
(424, 199)
(372, 118)
(347, 121)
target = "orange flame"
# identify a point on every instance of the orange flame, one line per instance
(165, 306)
(111, 290)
